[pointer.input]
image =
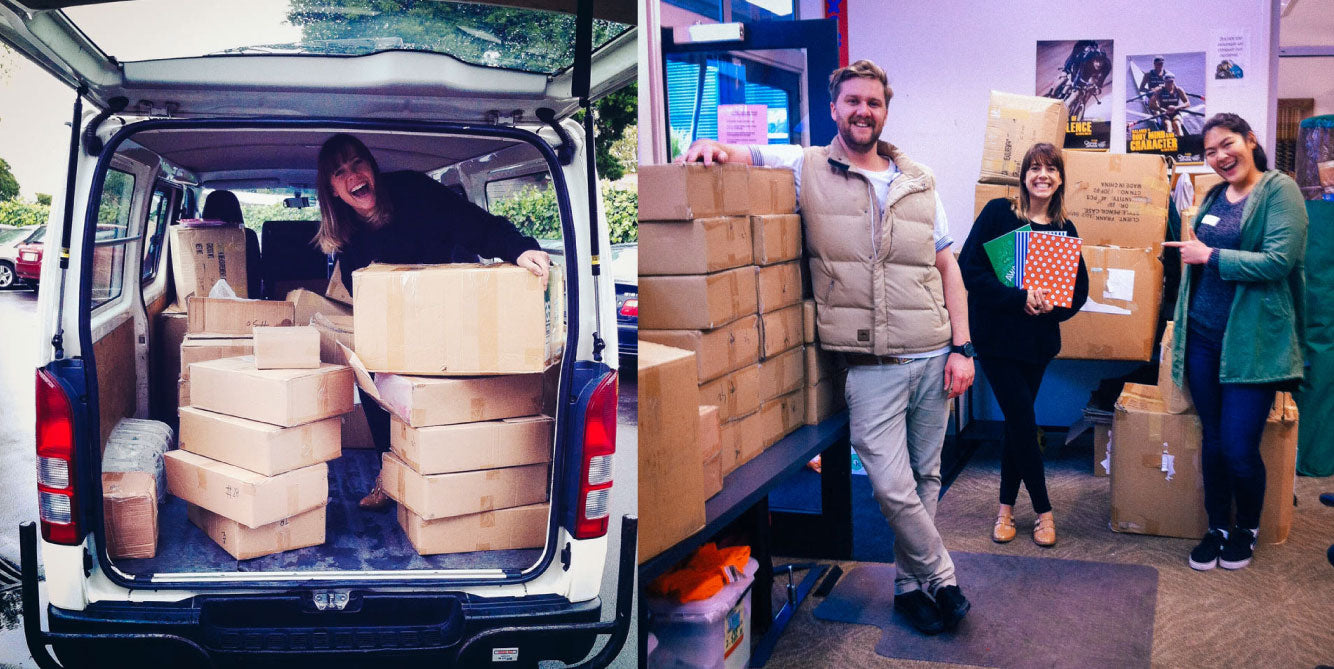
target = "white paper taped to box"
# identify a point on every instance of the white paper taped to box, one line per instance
(1099, 308)
(1169, 463)
(1120, 285)
(1107, 461)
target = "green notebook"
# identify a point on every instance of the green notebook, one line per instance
(1001, 252)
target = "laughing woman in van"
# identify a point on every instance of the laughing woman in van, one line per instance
(1241, 323)
(404, 217)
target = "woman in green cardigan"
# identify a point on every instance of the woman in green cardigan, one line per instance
(1240, 317)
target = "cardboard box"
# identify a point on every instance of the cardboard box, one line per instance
(254, 500)
(354, 431)
(735, 394)
(680, 192)
(334, 334)
(307, 304)
(423, 401)
(336, 291)
(777, 286)
(287, 348)
(710, 432)
(1157, 483)
(783, 373)
(259, 447)
(824, 399)
(1202, 182)
(780, 330)
(283, 397)
(718, 351)
(782, 415)
(1117, 199)
(502, 529)
(697, 246)
(243, 543)
(1176, 399)
(460, 319)
(166, 368)
(462, 493)
(470, 446)
(821, 365)
(1102, 450)
(985, 193)
(182, 394)
(230, 318)
(696, 302)
(746, 438)
(671, 486)
(808, 321)
(777, 238)
(202, 349)
(129, 514)
(713, 475)
(1120, 318)
(773, 190)
(202, 255)
(1015, 123)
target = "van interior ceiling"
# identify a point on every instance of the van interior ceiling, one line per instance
(285, 159)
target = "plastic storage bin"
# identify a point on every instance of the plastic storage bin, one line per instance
(710, 634)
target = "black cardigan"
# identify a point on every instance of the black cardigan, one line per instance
(996, 317)
(430, 224)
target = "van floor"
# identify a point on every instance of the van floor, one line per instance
(355, 539)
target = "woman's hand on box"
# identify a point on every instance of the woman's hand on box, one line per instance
(537, 262)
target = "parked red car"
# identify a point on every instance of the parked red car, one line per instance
(28, 264)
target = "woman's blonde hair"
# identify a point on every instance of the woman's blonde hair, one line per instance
(1043, 154)
(337, 219)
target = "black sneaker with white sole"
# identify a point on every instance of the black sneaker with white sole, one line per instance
(1205, 554)
(1237, 550)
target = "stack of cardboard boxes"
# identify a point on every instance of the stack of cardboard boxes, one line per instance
(825, 373)
(255, 438)
(1014, 124)
(471, 450)
(671, 481)
(1157, 480)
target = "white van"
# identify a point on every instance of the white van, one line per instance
(461, 102)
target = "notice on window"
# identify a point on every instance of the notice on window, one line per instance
(743, 124)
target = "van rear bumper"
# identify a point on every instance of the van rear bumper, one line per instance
(283, 629)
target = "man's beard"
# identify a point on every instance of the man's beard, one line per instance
(845, 133)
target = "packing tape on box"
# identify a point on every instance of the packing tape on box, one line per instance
(487, 502)
(487, 519)
(293, 499)
(394, 336)
(488, 320)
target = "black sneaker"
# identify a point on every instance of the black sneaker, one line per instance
(1205, 555)
(920, 611)
(953, 606)
(1238, 549)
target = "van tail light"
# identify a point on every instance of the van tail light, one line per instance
(595, 476)
(56, 501)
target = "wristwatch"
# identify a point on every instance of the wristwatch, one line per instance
(965, 349)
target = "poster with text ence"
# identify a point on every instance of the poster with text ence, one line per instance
(1079, 72)
(1165, 105)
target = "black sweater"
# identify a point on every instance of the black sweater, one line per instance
(430, 224)
(996, 317)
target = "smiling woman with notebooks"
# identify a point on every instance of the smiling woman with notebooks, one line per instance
(1018, 294)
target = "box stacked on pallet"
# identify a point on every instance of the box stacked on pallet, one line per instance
(825, 373)
(255, 440)
(471, 452)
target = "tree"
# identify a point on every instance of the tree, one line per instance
(612, 116)
(9, 186)
(43, 199)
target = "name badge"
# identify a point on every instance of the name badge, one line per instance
(1209, 219)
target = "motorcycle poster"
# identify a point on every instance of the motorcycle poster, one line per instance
(1165, 105)
(1079, 72)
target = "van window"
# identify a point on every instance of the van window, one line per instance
(113, 230)
(529, 202)
(160, 214)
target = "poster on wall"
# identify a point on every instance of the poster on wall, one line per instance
(1229, 56)
(1165, 105)
(743, 124)
(1080, 73)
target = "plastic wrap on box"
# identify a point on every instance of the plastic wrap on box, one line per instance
(1315, 158)
(137, 445)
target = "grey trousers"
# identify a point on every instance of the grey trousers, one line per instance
(898, 415)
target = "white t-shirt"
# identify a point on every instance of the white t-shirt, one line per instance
(791, 157)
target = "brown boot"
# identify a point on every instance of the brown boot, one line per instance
(1004, 530)
(1044, 532)
(376, 499)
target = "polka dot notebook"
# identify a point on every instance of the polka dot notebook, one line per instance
(1052, 262)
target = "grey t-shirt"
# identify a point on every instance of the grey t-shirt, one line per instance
(1219, 228)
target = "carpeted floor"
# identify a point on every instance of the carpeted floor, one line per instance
(1279, 612)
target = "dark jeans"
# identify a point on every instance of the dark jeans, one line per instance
(377, 419)
(1233, 416)
(1015, 384)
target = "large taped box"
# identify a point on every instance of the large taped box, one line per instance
(285, 397)
(777, 238)
(1015, 123)
(502, 529)
(697, 246)
(254, 500)
(423, 401)
(717, 351)
(777, 286)
(1157, 481)
(259, 447)
(1120, 318)
(202, 255)
(713, 475)
(671, 485)
(465, 447)
(710, 449)
(782, 415)
(783, 373)
(202, 349)
(287, 348)
(824, 399)
(243, 543)
(166, 370)
(822, 364)
(781, 330)
(1117, 199)
(682, 192)
(736, 394)
(461, 493)
(459, 319)
(1175, 398)
(747, 434)
(1202, 182)
(696, 302)
(222, 317)
(773, 190)
(985, 193)
(129, 514)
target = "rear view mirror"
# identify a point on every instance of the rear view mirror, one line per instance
(296, 201)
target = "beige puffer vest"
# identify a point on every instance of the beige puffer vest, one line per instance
(886, 298)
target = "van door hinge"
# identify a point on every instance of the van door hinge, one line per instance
(332, 600)
(565, 557)
(165, 109)
(497, 117)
